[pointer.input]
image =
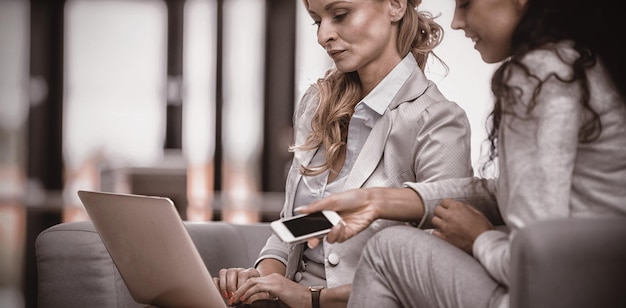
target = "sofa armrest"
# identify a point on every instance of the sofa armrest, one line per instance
(75, 270)
(573, 262)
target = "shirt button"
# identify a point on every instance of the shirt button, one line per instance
(298, 277)
(333, 259)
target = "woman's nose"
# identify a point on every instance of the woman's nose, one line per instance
(458, 22)
(325, 34)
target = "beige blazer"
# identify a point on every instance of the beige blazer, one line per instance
(421, 137)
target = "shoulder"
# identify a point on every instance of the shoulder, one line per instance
(428, 110)
(307, 104)
(543, 76)
(431, 102)
(311, 95)
(555, 59)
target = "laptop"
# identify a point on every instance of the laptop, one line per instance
(152, 250)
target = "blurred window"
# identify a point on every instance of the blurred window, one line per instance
(115, 81)
(199, 96)
(243, 76)
(199, 80)
(14, 102)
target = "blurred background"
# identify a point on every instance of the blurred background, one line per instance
(188, 99)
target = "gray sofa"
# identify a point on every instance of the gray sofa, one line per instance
(565, 263)
(75, 270)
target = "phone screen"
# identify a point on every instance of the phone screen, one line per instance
(308, 224)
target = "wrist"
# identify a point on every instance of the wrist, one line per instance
(376, 197)
(401, 204)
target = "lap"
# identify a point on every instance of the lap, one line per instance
(263, 304)
(423, 270)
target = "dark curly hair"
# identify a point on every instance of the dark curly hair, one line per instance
(592, 26)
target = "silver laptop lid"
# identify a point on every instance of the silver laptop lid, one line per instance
(151, 249)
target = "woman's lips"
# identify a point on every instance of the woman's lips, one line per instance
(334, 53)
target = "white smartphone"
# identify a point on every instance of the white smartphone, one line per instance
(301, 227)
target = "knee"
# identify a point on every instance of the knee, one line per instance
(388, 240)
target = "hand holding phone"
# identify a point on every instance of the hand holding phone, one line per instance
(299, 228)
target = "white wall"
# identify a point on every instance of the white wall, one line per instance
(468, 81)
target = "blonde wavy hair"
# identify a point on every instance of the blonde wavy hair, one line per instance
(339, 92)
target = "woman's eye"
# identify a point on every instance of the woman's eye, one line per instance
(340, 17)
(463, 4)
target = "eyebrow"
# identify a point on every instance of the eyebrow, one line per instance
(332, 4)
(329, 6)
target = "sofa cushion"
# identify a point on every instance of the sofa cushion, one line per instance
(75, 270)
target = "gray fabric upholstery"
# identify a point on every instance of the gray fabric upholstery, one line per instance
(75, 270)
(570, 263)
(563, 263)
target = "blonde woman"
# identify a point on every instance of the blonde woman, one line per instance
(374, 120)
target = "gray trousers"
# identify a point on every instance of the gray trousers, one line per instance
(407, 267)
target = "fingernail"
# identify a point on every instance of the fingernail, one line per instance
(224, 294)
(298, 209)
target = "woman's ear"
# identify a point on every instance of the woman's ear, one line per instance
(397, 8)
